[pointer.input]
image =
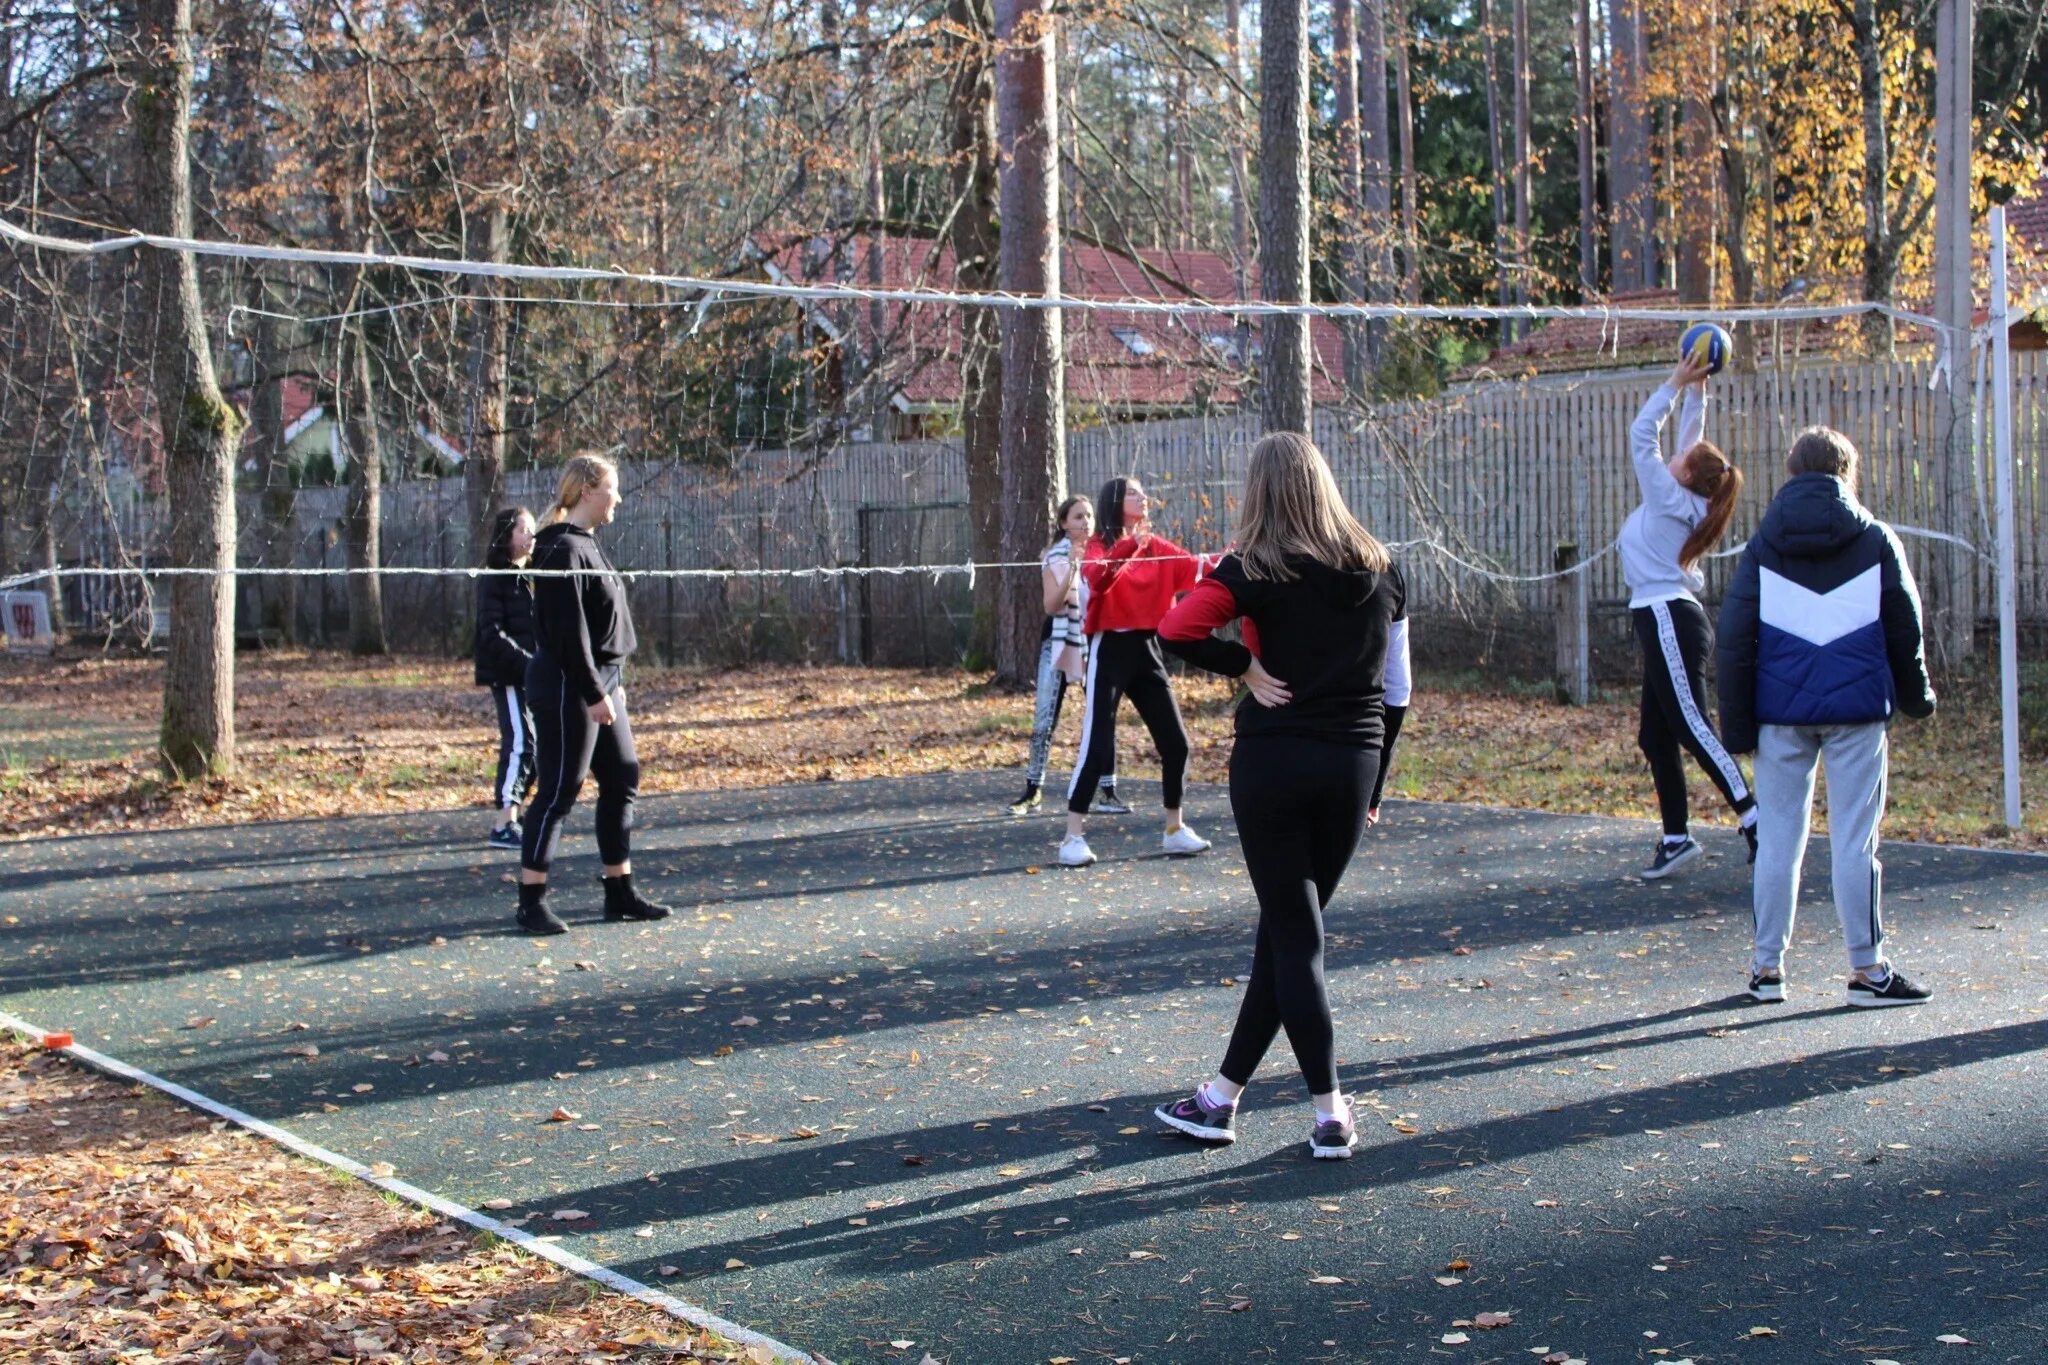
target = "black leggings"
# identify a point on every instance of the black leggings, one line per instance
(1300, 809)
(515, 746)
(570, 746)
(1125, 663)
(1676, 640)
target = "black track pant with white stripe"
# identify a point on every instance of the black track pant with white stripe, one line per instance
(1127, 663)
(1676, 639)
(571, 746)
(515, 746)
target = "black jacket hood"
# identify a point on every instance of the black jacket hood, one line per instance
(1813, 517)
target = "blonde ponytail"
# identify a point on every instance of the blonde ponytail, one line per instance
(585, 470)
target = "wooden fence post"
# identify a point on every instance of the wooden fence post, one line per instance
(1573, 672)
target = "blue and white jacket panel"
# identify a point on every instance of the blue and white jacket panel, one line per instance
(1821, 623)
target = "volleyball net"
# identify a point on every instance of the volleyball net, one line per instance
(804, 440)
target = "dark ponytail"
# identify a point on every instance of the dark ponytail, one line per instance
(1109, 511)
(1710, 474)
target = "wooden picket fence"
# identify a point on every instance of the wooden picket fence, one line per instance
(1500, 475)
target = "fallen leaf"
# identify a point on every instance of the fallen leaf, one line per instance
(199, 1021)
(1129, 1132)
(1454, 1338)
(1489, 1321)
(1951, 1339)
(1763, 1331)
(745, 1021)
(1448, 1281)
(1240, 1305)
(1546, 1203)
(564, 1116)
(1459, 1266)
(1325, 1279)
(735, 1264)
(568, 1215)
(497, 1203)
(903, 1343)
(383, 1170)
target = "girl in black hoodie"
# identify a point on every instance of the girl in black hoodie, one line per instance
(504, 645)
(577, 689)
(1325, 617)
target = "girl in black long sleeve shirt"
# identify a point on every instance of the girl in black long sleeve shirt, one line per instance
(577, 689)
(1325, 620)
(505, 644)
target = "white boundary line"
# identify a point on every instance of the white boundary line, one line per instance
(413, 1194)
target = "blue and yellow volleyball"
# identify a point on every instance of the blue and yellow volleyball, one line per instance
(1705, 341)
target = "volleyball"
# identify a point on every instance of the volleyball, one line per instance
(1705, 341)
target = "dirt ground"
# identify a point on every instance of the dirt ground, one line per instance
(321, 734)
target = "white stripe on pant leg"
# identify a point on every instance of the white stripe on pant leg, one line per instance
(515, 759)
(1087, 719)
(1674, 667)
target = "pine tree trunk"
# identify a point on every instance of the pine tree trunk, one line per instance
(1880, 252)
(1411, 185)
(976, 244)
(1589, 192)
(1522, 172)
(1351, 225)
(1284, 212)
(278, 503)
(1034, 454)
(1496, 165)
(1240, 178)
(1630, 190)
(1377, 177)
(201, 429)
(364, 533)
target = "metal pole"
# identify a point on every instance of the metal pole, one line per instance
(2001, 434)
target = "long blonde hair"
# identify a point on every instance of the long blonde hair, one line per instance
(1292, 506)
(586, 470)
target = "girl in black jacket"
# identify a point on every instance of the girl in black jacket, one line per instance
(504, 646)
(576, 684)
(1325, 615)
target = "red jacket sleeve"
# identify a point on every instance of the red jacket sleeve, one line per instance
(1189, 630)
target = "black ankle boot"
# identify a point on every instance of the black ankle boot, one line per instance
(534, 915)
(621, 901)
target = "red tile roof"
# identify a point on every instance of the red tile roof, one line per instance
(1115, 358)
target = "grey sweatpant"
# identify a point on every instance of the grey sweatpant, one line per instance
(1856, 758)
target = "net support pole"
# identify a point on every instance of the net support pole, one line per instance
(2002, 471)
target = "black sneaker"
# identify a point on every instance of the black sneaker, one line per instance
(1749, 837)
(1671, 857)
(1895, 989)
(1030, 801)
(1198, 1120)
(1107, 802)
(1769, 989)
(507, 836)
(1333, 1139)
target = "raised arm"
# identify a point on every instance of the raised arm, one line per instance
(1646, 445)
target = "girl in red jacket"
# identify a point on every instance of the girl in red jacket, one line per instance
(1133, 577)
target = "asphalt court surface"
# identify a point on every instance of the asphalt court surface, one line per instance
(888, 1075)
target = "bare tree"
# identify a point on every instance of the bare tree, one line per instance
(201, 429)
(1034, 453)
(1522, 169)
(490, 386)
(1284, 211)
(364, 518)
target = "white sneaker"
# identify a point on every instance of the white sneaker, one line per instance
(1184, 843)
(1074, 851)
